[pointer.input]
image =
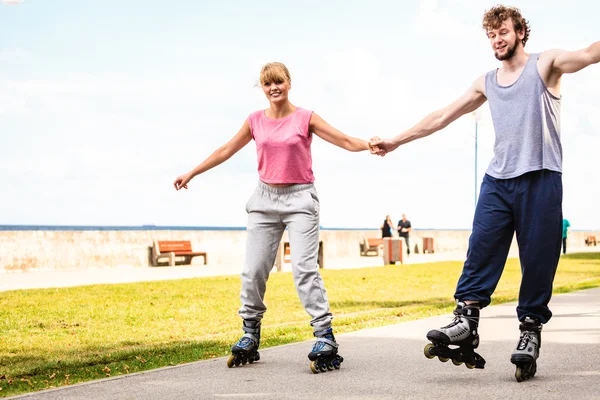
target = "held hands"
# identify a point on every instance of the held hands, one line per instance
(380, 147)
(182, 181)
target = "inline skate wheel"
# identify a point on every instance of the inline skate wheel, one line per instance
(456, 362)
(443, 359)
(337, 363)
(470, 366)
(230, 361)
(526, 372)
(427, 351)
(313, 367)
(519, 374)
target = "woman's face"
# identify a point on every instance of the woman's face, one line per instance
(277, 91)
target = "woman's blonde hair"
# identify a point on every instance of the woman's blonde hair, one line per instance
(273, 72)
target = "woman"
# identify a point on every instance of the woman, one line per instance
(285, 197)
(386, 227)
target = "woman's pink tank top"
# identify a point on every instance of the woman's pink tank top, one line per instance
(283, 147)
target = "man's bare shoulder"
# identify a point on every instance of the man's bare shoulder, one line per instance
(547, 57)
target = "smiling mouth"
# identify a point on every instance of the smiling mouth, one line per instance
(501, 48)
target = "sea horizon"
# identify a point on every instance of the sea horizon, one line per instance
(32, 227)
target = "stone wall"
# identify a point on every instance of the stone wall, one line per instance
(56, 249)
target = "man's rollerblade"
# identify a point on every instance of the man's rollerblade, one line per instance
(324, 354)
(528, 349)
(246, 349)
(461, 332)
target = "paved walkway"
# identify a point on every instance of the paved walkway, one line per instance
(388, 363)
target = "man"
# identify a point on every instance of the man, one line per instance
(521, 191)
(565, 232)
(404, 228)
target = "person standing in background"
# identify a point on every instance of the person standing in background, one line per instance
(404, 227)
(386, 227)
(565, 233)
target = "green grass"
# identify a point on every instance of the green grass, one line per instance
(53, 337)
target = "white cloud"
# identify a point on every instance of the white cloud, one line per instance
(15, 55)
(434, 20)
(13, 103)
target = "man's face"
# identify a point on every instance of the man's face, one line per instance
(505, 40)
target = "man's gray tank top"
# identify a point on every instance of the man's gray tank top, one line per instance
(526, 120)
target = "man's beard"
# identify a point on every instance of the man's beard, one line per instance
(509, 53)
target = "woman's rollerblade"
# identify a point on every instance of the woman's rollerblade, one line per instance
(324, 354)
(528, 349)
(461, 332)
(246, 349)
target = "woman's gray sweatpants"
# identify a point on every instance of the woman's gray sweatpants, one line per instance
(270, 210)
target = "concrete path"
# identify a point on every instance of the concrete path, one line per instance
(388, 363)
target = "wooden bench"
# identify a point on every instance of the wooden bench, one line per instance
(368, 246)
(172, 249)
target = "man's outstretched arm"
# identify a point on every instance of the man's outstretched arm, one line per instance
(568, 62)
(437, 120)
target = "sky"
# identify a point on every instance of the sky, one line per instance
(104, 103)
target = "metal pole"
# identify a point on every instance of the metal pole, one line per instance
(476, 160)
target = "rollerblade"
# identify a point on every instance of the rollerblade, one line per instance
(246, 349)
(528, 349)
(324, 354)
(461, 332)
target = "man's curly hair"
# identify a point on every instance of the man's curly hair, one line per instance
(493, 18)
